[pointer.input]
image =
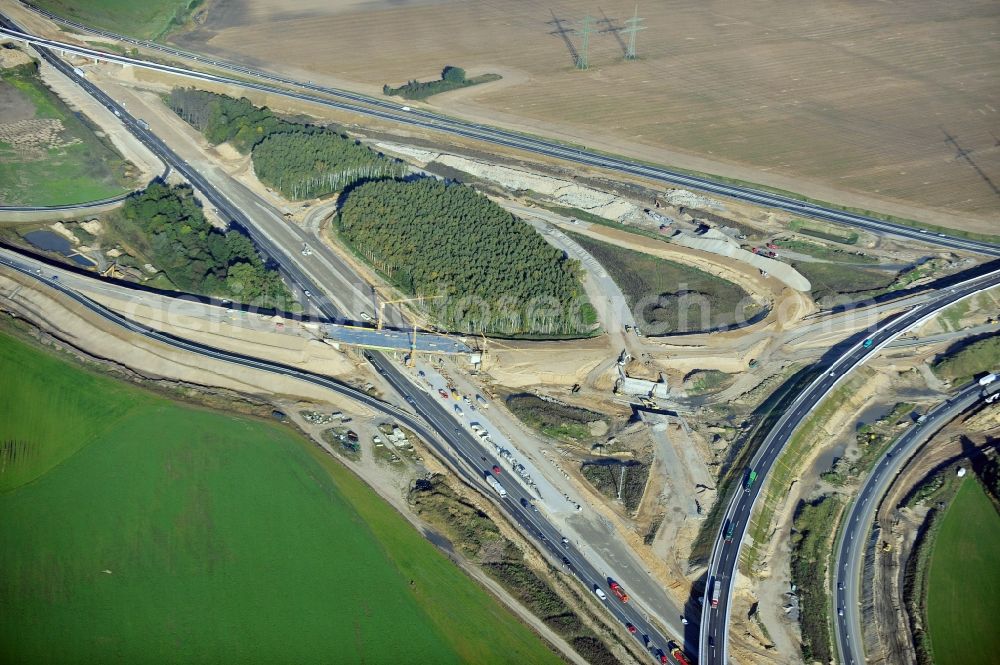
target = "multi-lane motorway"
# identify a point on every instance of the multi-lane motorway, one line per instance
(713, 641)
(853, 540)
(460, 450)
(372, 107)
(725, 555)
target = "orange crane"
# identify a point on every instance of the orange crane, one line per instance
(380, 320)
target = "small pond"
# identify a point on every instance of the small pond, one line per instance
(53, 242)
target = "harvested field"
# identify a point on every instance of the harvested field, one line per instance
(48, 154)
(891, 107)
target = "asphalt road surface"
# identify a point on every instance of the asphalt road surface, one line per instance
(714, 637)
(461, 451)
(406, 115)
(855, 529)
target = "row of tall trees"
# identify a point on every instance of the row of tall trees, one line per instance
(495, 273)
(452, 78)
(303, 165)
(299, 160)
(166, 225)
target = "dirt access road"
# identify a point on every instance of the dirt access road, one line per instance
(891, 107)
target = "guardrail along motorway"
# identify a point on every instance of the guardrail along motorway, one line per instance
(714, 636)
(853, 539)
(394, 112)
(462, 451)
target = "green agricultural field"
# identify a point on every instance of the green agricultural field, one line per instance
(963, 595)
(149, 531)
(53, 164)
(149, 19)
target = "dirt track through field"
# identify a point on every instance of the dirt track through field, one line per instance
(891, 106)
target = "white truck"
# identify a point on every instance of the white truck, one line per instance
(497, 487)
(988, 379)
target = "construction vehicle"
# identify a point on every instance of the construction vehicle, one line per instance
(618, 591)
(497, 487)
(716, 592)
(763, 252)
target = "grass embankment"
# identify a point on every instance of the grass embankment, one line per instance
(479, 540)
(786, 470)
(963, 590)
(700, 382)
(614, 477)
(52, 164)
(673, 297)
(590, 217)
(872, 439)
(139, 530)
(452, 78)
(967, 360)
(150, 19)
(824, 232)
(825, 253)
(739, 455)
(831, 279)
(812, 540)
(560, 421)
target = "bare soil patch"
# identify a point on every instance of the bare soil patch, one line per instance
(14, 104)
(859, 103)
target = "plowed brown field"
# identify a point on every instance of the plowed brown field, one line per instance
(860, 103)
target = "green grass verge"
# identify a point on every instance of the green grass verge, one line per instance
(872, 439)
(825, 253)
(786, 470)
(176, 534)
(812, 546)
(560, 421)
(963, 594)
(83, 168)
(951, 317)
(478, 538)
(830, 279)
(590, 217)
(614, 477)
(967, 360)
(150, 19)
(674, 297)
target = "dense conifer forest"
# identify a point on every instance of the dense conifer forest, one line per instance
(498, 275)
(297, 159)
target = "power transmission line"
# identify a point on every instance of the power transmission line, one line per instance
(631, 30)
(582, 60)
